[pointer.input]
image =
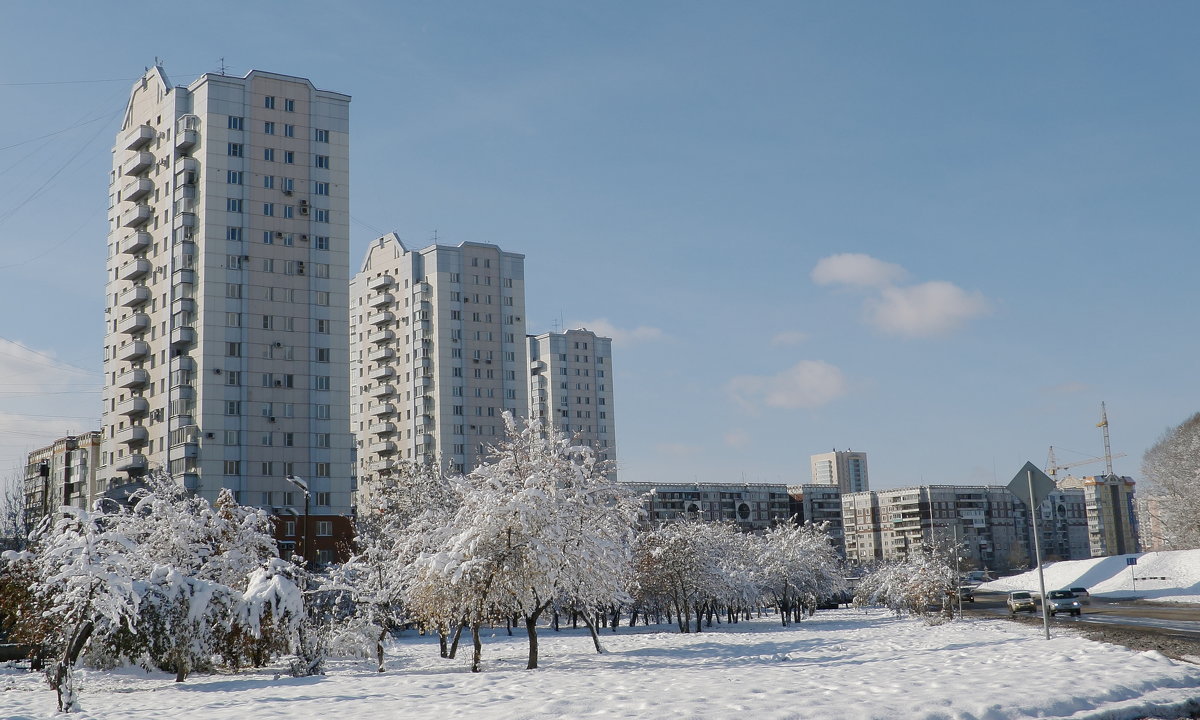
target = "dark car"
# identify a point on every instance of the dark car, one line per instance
(966, 592)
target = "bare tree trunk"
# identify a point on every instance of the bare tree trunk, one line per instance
(457, 634)
(64, 681)
(379, 647)
(477, 656)
(595, 636)
(616, 616)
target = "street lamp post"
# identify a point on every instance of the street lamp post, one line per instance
(305, 548)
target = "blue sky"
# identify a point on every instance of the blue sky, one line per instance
(941, 233)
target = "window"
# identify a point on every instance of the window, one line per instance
(235, 122)
(233, 377)
(321, 188)
(322, 441)
(289, 157)
(322, 498)
(268, 439)
(268, 237)
(324, 527)
(288, 212)
(233, 349)
(268, 264)
(269, 209)
(321, 382)
(289, 131)
(233, 233)
(321, 216)
(289, 439)
(231, 437)
(322, 326)
(320, 135)
(268, 181)
(233, 205)
(269, 127)
(268, 468)
(322, 242)
(321, 270)
(289, 185)
(269, 154)
(233, 290)
(288, 105)
(321, 469)
(233, 407)
(233, 319)
(322, 297)
(322, 412)
(322, 355)
(289, 527)
(234, 177)
(321, 161)
(233, 467)
(269, 102)
(235, 150)
(458, 409)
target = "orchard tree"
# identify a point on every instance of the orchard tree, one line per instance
(924, 584)
(1172, 468)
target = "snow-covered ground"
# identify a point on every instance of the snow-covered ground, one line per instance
(841, 664)
(1114, 577)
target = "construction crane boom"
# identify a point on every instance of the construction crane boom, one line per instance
(1107, 450)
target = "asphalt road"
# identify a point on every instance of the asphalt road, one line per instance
(1174, 619)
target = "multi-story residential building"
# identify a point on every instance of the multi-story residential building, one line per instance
(438, 353)
(845, 469)
(571, 388)
(226, 340)
(1152, 531)
(62, 473)
(750, 506)
(1063, 526)
(1111, 513)
(821, 505)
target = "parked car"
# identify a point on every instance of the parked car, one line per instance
(1085, 598)
(966, 592)
(1021, 601)
(1062, 601)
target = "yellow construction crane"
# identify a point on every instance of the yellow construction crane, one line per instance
(1052, 466)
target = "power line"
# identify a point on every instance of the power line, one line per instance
(44, 356)
(67, 82)
(56, 132)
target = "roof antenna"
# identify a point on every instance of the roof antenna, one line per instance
(223, 68)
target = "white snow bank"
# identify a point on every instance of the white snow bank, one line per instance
(843, 664)
(1112, 576)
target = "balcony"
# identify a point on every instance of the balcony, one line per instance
(185, 220)
(381, 299)
(380, 336)
(132, 464)
(136, 189)
(186, 167)
(183, 392)
(135, 243)
(133, 436)
(424, 420)
(381, 318)
(134, 269)
(133, 379)
(380, 353)
(184, 277)
(383, 466)
(382, 448)
(381, 282)
(137, 216)
(380, 373)
(138, 163)
(422, 289)
(183, 335)
(183, 305)
(133, 324)
(133, 351)
(422, 363)
(185, 364)
(423, 306)
(382, 391)
(186, 140)
(134, 296)
(133, 407)
(423, 381)
(384, 409)
(382, 428)
(139, 137)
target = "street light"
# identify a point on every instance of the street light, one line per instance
(303, 485)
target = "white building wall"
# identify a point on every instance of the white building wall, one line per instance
(571, 387)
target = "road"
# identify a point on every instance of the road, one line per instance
(1177, 620)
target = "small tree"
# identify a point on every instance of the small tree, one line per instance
(923, 584)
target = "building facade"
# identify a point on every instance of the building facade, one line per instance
(820, 505)
(845, 469)
(62, 473)
(438, 354)
(1111, 513)
(751, 507)
(571, 390)
(226, 338)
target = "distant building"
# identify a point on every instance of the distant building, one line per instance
(845, 469)
(571, 388)
(1063, 526)
(750, 507)
(821, 505)
(1111, 513)
(1152, 533)
(62, 473)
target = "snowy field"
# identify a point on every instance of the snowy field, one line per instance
(1113, 577)
(841, 664)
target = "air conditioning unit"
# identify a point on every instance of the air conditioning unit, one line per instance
(278, 344)
(303, 238)
(208, 435)
(303, 203)
(278, 234)
(303, 209)
(216, 371)
(287, 192)
(271, 419)
(245, 257)
(278, 383)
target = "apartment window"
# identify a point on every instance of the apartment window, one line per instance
(233, 467)
(289, 130)
(322, 499)
(268, 181)
(322, 297)
(268, 264)
(233, 349)
(233, 319)
(321, 188)
(321, 216)
(322, 242)
(269, 102)
(289, 157)
(321, 469)
(458, 409)
(234, 177)
(233, 205)
(288, 211)
(322, 440)
(268, 237)
(322, 355)
(233, 233)
(322, 326)
(321, 269)
(269, 154)
(233, 407)
(231, 437)
(269, 127)
(235, 150)
(289, 439)
(233, 290)
(268, 439)
(233, 377)
(235, 122)
(289, 527)
(289, 185)
(268, 468)
(321, 161)
(288, 105)
(322, 412)
(320, 135)
(287, 237)
(321, 382)
(269, 209)
(324, 527)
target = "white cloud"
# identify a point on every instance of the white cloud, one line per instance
(737, 438)
(856, 269)
(641, 333)
(931, 308)
(42, 399)
(788, 338)
(807, 384)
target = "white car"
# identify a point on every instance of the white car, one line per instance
(1062, 601)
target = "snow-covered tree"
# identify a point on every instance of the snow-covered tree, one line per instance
(271, 609)
(923, 584)
(686, 565)
(799, 567)
(1172, 468)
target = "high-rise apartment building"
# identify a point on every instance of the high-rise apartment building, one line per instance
(1112, 517)
(62, 473)
(844, 468)
(438, 353)
(571, 388)
(226, 340)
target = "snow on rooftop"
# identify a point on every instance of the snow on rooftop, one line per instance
(1114, 577)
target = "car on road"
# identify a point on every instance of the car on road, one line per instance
(1062, 601)
(966, 593)
(1021, 601)
(1083, 595)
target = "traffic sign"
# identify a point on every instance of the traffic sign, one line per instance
(1131, 561)
(1042, 485)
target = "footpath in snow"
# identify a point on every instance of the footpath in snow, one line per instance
(841, 664)
(1172, 576)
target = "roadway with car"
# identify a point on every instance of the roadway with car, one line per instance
(1175, 619)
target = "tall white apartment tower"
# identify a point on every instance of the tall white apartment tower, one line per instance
(846, 469)
(571, 387)
(226, 343)
(437, 353)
